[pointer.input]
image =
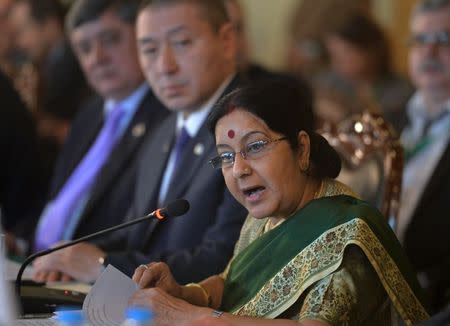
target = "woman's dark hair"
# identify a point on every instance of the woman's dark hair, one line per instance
(364, 33)
(41, 10)
(287, 108)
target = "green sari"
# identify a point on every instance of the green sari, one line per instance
(275, 271)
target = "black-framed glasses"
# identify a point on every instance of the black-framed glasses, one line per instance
(253, 150)
(440, 38)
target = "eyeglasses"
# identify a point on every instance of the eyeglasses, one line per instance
(250, 151)
(441, 38)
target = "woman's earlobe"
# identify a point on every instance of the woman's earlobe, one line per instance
(304, 166)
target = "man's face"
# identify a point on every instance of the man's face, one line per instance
(28, 34)
(106, 49)
(348, 60)
(183, 58)
(429, 56)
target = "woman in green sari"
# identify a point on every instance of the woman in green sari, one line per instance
(310, 253)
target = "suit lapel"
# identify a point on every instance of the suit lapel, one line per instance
(438, 176)
(195, 155)
(122, 153)
(152, 165)
(181, 179)
(83, 143)
(151, 168)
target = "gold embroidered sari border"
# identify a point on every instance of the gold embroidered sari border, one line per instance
(322, 257)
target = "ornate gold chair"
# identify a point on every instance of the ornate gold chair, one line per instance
(372, 159)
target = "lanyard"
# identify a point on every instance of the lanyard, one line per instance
(421, 145)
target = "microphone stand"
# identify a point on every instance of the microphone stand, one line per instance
(32, 257)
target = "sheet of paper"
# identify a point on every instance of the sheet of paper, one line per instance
(108, 298)
(35, 322)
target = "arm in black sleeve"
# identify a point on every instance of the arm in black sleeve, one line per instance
(194, 263)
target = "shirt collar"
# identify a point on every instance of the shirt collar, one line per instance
(417, 109)
(129, 103)
(195, 120)
(418, 118)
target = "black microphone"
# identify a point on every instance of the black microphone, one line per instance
(175, 208)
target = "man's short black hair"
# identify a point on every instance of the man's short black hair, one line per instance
(214, 10)
(85, 11)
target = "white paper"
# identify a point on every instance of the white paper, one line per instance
(108, 298)
(105, 303)
(35, 322)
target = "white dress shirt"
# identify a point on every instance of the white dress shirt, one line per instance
(192, 124)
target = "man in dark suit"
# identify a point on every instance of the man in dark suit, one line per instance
(423, 224)
(187, 51)
(102, 34)
(19, 166)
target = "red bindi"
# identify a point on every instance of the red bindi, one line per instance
(231, 134)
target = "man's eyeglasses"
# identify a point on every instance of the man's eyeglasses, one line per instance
(441, 38)
(251, 151)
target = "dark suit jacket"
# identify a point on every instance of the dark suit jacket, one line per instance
(195, 245)
(110, 197)
(427, 236)
(20, 182)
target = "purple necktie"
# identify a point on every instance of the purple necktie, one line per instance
(180, 143)
(57, 215)
(178, 147)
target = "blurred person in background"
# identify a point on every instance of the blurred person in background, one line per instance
(306, 52)
(38, 27)
(19, 165)
(23, 174)
(23, 76)
(53, 84)
(360, 73)
(423, 223)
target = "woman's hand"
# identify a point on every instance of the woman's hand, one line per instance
(167, 309)
(157, 275)
(171, 311)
